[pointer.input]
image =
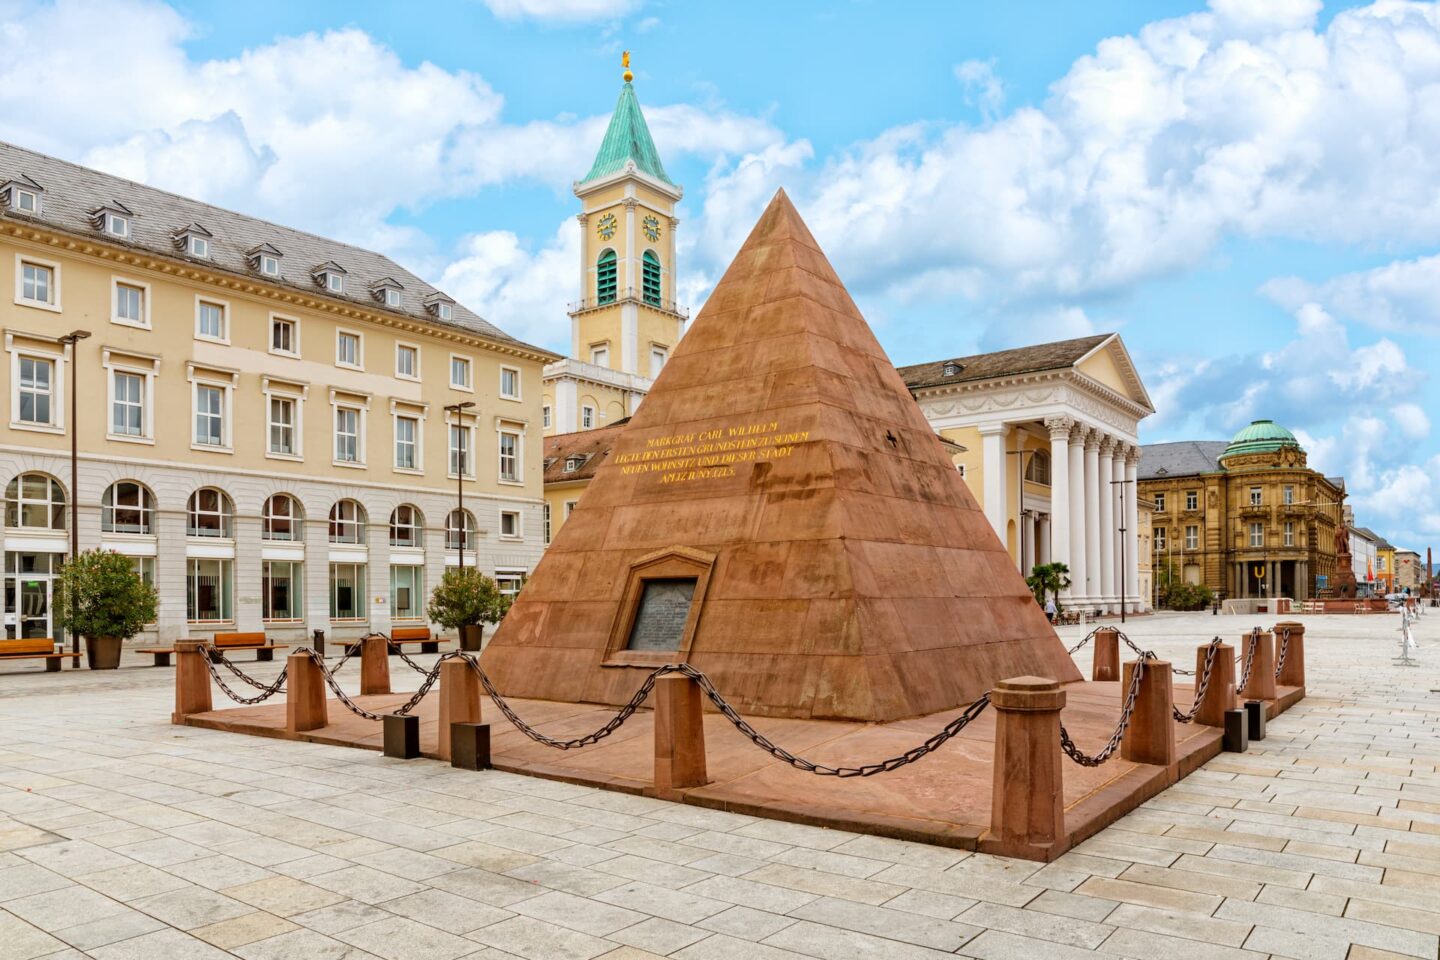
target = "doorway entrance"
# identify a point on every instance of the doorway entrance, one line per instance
(29, 595)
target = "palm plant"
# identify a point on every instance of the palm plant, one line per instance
(1048, 579)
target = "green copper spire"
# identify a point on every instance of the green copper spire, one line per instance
(626, 139)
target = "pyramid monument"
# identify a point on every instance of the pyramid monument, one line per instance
(778, 514)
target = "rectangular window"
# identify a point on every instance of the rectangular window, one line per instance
(347, 349)
(407, 362)
(570, 507)
(406, 430)
(1287, 495)
(270, 266)
(280, 585)
(284, 337)
(545, 416)
(1192, 500)
(117, 226)
(509, 456)
(1160, 538)
(130, 304)
(210, 321)
(347, 434)
(282, 426)
(546, 515)
(510, 582)
(1159, 503)
(1192, 537)
(210, 416)
(510, 524)
(37, 385)
(37, 283)
(658, 356)
(347, 591)
(460, 373)
(405, 593)
(1289, 533)
(460, 451)
(209, 591)
(510, 383)
(600, 356)
(1257, 496)
(199, 247)
(1257, 535)
(127, 418)
(587, 417)
(26, 201)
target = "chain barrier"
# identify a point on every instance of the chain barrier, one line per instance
(1142, 654)
(1076, 649)
(266, 690)
(355, 708)
(1201, 685)
(1131, 696)
(1249, 664)
(1284, 649)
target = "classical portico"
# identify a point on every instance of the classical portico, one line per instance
(1052, 453)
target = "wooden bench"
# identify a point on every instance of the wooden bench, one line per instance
(41, 648)
(399, 636)
(224, 643)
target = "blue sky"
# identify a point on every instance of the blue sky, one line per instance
(1246, 190)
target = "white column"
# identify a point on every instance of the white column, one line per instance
(1077, 513)
(1132, 529)
(1042, 538)
(1027, 542)
(1093, 533)
(1058, 549)
(993, 463)
(1106, 465)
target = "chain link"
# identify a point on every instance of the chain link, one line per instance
(1201, 685)
(355, 708)
(1076, 649)
(266, 690)
(1284, 649)
(1131, 696)
(1249, 664)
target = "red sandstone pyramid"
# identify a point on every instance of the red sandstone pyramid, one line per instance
(780, 515)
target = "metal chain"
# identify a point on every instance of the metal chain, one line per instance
(360, 711)
(1249, 658)
(396, 649)
(1284, 649)
(1202, 685)
(214, 655)
(266, 691)
(1076, 649)
(1131, 696)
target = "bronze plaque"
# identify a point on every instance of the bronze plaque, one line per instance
(664, 608)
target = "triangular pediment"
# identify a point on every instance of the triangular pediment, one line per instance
(1110, 365)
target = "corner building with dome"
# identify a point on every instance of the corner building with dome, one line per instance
(1247, 517)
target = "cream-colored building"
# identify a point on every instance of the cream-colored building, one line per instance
(1052, 453)
(260, 414)
(626, 321)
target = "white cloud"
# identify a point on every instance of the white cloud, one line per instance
(562, 10)
(982, 85)
(498, 276)
(1403, 295)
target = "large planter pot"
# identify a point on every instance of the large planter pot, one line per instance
(471, 637)
(102, 653)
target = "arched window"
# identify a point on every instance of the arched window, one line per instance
(347, 522)
(127, 507)
(405, 526)
(210, 514)
(34, 501)
(605, 278)
(282, 518)
(460, 530)
(650, 274)
(1038, 469)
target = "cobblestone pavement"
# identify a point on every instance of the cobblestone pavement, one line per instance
(122, 836)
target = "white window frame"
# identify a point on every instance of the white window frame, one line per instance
(392, 297)
(1192, 495)
(467, 425)
(587, 416)
(1159, 503)
(224, 306)
(53, 304)
(297, 587)
(198, 247)
(59, 357)
(1289, 533)
(1257, 496)
(417, 586)
(268, 260)
(1287, 495)
(297, 393)
(359, 363)
(406, 345)
(1161, 537)
(1192, 536)
(603, 349)
(468, 366)
(546, 416)
(445, 310)
(297, 519)
(112, 220)
(116, 282)
(504, 369)
(206, 377)
(294, 339)
(227, 568)
(663, 353)
(146, 368)
(361, 570)
(516, 430)
(334, 282)
(519, 533)
(545, 521)
(505, 575)
(1257, 535)
(350, 401)
(418, 413)
(18, 204)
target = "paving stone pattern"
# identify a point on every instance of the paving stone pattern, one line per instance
(122, 836)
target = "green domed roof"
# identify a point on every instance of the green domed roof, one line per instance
(1262, 436)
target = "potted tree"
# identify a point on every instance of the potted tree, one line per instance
(466, 600)
(103, 599)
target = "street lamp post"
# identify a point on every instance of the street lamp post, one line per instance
(462, 451)
(1120, 494)
(71, 340)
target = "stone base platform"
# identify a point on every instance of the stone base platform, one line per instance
(943, 799)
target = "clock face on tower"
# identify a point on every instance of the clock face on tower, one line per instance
(652, 228)
(606, 227)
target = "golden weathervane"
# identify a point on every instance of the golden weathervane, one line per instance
(625, 62)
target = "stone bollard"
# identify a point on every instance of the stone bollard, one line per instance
(1261, 685)
(192, 681)
(1027, 804)
(1292, 672)
(1150, 737)
(305, 706)
(374, 665)
(1107, 655)
(679, 735)
(459, 700)
(1220, 694)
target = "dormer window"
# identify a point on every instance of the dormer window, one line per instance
(574, 463)
(953, 369)
(387, 291)
(22, 196)
(113, 219)
(440, 306)
(116, 225)
(193, 241)
(27, 201)
(199, 247)
(331, 276)
(265, 259)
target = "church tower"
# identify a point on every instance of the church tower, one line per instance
(626, 321)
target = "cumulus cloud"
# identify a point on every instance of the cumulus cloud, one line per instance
(982, 85)
(1403, 295)
(498, 275)
(562, 10)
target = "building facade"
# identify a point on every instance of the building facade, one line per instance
(1409, 571)
(260, 414)
(1246, 518)
(1364, 557)
(626, 321)
(1052, 453)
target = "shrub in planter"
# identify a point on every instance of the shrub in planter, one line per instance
(464, 600)
(100, 597)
